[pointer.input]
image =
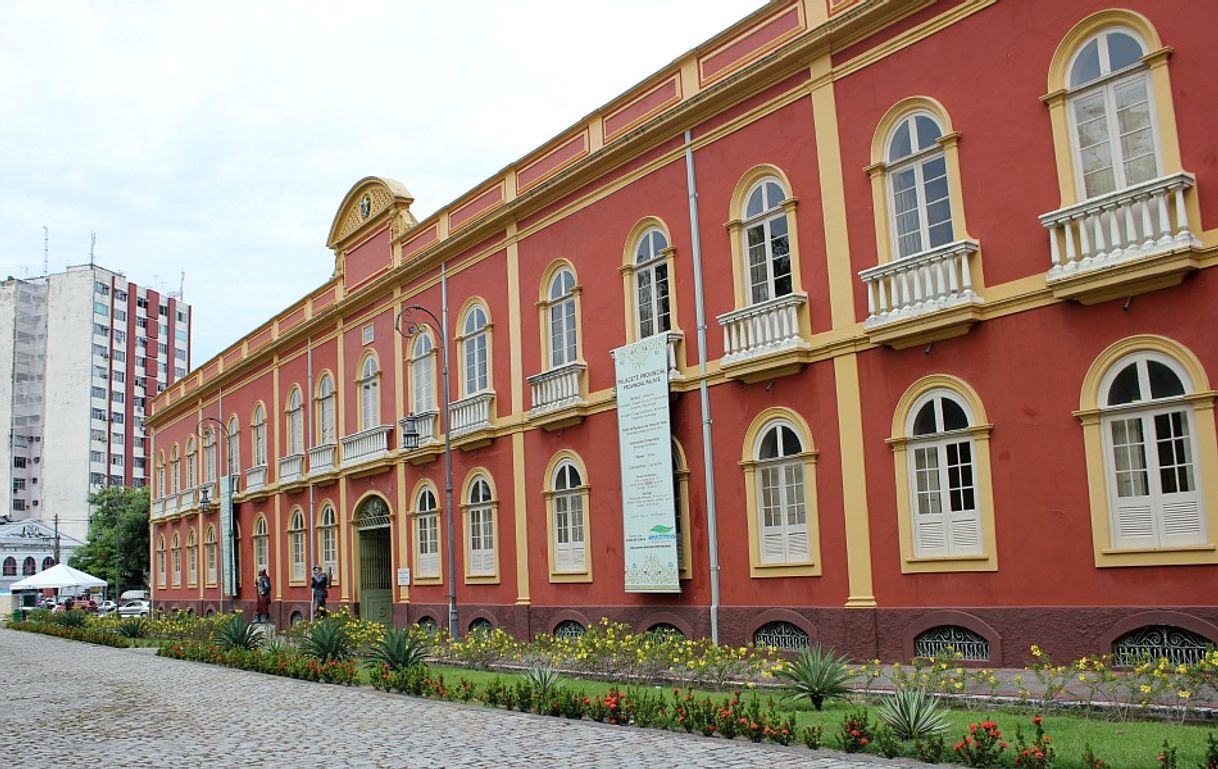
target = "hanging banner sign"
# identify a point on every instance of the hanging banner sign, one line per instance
(645, 442)
(226, 536)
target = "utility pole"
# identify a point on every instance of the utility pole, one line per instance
(56, 537)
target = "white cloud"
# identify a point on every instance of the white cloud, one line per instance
(219, 138)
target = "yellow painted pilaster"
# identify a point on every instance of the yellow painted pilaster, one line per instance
(272, 451)
(833, 194)
(402, 529)
(854, 487)
(519, 484)
(344, 539)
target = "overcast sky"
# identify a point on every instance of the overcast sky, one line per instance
(218, 138)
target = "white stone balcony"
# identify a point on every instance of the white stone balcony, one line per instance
(426, 424)
(1122, 231)
(255, 479)
(322, 459)
(213, 495)
(171, 503)
(291, 468)
(187, 499)
(471, 413)
(924, 283)
(674, 367)
(156, 508)
(761, 329)
(557, 388)
(366, 445)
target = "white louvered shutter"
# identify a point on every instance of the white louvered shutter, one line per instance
(929, 521)
(1129, 483)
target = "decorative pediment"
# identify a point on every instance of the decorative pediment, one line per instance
(369, 204)
(34, 531)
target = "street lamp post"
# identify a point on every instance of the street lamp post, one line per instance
(410, 440)
(205, 504)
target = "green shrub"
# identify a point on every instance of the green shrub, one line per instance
(816, 676)
(400, 649)
(133, 627)
(887, 744)
(812, 736)
(73, 618)
(544, 680)
(912, 714)
(236, 633)
(931, 750)
(328, 640)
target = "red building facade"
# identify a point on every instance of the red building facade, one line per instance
(951, 261)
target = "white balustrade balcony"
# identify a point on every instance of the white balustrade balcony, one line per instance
(366, 445)
(1106, 231)
(920, 284)
(674, 368)
(471, 413)
(763, 328)
(322, 459)
(157, 508)
(171, 504)
(187, 499)
(426, 424)
(255, 479)
(291, 468)
(212, 490)
(557, 388)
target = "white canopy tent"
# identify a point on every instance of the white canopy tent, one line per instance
(58, 576)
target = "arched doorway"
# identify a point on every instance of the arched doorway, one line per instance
(375, 563)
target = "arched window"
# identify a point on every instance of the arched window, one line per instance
(261, 545)
(327, 542)
(234, 447)
(1150, 453)
(423, 373)
(258, 435)
(296, 546)
(192, 464)
(47, 563)
(369, 387)
(29, 567)
(781, 635)
(952, 641)
(427, 534)
(10, 566)
(162, 489)
(651, 284)
(568, 498)
(481, 626)
(326, 428)
(920, 205)
(176, 554)
(474, 342)
(946, 519)
(1177, 645)
(781, 500)
(175, 470)
(209, 456)
(569, 629)
(209, 555)
(192, 558)
(160, 561)
(480, 514)
(1112, 119)
(295, 414)
(564, 347)
(766, 242)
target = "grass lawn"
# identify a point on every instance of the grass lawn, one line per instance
(1121, 744)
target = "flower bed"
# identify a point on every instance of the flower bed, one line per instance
(86, 633)
(274, 662)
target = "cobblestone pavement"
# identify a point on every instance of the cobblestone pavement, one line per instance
(69, 704)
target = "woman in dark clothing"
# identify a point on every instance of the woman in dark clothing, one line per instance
(262, 611)
(321, 589)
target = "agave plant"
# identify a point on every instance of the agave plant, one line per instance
(73, 619)
(816, 676)
(133, 627)
(400, 649)
(328, 640)
(236, 633)
(544, 681)
(912, 714)
(276, 645)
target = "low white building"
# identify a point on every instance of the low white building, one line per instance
(27, 547)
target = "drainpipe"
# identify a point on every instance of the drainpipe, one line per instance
(712, 522)
(306, 430)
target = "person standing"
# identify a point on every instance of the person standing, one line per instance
(321, 589)
(262, 585)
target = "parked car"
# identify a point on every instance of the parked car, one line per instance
(105, 607)
(135, 609)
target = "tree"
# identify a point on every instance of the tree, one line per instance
(118, 538)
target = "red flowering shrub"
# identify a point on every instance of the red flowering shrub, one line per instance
(982, 745)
